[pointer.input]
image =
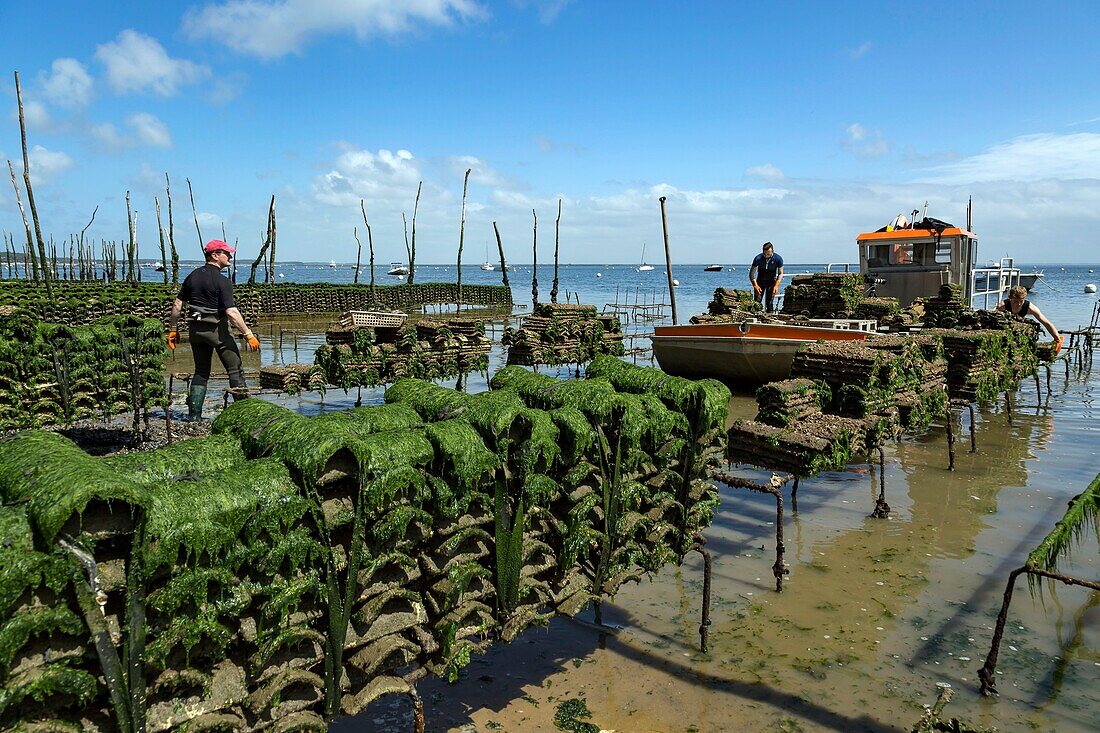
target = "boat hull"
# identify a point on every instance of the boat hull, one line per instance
(749, 353)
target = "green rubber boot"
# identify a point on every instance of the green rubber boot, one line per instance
(195, 398)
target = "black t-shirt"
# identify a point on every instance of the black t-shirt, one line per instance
(207, 288)
(1024, 309)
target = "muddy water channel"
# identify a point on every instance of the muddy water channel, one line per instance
(874, 614)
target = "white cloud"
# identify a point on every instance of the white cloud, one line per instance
(273, 28)
(149, 131)
(548, 145)
(766, 172)
(144, 131)
(864, 143)
(46, 164)
(210, 222)
(68, 84)
(480, 172)
(226, 89)
(36, 115)
(385, 176)
(137, 63)
(860, 50)
(1028, 158)
(547, 10)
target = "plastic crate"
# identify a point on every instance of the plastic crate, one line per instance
(373, 319)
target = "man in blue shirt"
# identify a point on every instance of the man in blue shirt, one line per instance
(765, 274)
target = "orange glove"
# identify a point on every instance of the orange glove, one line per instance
(1058, 344)
(173, 339)
(756, 289)
(253, 343)
(775, 289)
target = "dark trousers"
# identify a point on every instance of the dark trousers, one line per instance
(208, 338)
(765, 296)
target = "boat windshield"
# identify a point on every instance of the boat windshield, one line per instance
(889, 254)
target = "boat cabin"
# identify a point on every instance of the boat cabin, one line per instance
(912, 262)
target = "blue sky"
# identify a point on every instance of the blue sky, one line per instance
(799, 123)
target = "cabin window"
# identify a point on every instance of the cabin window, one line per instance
(901, 253)
(878, 255)
(943, 251)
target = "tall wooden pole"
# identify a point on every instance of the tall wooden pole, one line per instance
(30, 190)
(195, 213)
(370, 246)
(668, 262)
(412, 250)
(557, 227)
(31, 260)
(462, 237)
(172, 233)
(535, 260)
(500, 249)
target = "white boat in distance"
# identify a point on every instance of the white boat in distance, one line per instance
(396, 268)
(644, 267)
(487, 266)
(712, 268)
(332, 264)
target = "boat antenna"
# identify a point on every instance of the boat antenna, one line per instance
(925, 209)
(969, 213)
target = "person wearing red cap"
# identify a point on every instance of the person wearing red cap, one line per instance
(210, 310)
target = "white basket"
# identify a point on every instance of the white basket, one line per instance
(373, 319)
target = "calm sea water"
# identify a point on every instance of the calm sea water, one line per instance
(1060, 293)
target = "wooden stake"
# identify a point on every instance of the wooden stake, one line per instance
(500, 249)
(412, 251)
(274, 232)
(195, 212)
(462, 237)
(535, 260)
(668, 262)
(370, 245)
(557, 226)
(30, 189)
(171, 234)
(31, 259)
(160, 233)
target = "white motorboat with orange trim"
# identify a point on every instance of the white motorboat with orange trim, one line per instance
(745, 352)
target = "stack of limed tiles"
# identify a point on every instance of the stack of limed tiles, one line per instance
(558, 333)
(291, 378)
(921, 396)
(824, 295)
(822, 444)
(877, 309)
(47, 681)
(728, 301)
(984, 363)
(944, 309)
(862, 379)
(789, 402)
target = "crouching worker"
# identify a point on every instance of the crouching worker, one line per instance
(210, 310)
(1018, 305)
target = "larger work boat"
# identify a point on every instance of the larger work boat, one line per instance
(909, 261)
(901, 260)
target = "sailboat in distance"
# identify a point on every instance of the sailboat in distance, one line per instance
(644, 267)
(487, 265)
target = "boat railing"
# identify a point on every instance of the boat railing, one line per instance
(994, 281)
(846, 265)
